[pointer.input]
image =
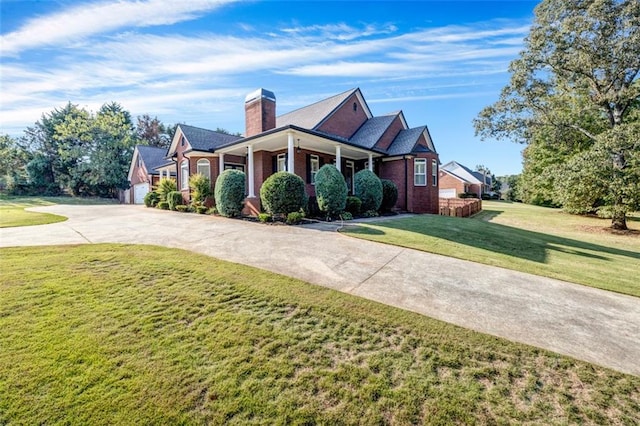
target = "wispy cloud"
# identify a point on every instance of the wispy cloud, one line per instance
(84, 20)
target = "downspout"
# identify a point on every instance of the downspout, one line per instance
(406, 185)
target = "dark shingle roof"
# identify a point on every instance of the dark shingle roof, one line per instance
(206, 140)
(406, 141)
(371, 131)
(310, 116)
(152, 157)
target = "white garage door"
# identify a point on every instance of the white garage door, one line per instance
(448, 193)
(139, 191)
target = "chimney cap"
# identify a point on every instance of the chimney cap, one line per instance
(258, 94)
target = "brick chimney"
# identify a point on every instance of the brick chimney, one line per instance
(259, 112)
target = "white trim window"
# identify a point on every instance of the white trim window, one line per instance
(314, 164)
(282, 163)
(203, 167)
(434, 172)
(420, 172)
(184, 174)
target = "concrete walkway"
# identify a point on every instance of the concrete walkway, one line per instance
(582, 322)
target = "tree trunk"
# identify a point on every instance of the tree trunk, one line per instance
(619, 219)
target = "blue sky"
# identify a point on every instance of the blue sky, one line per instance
(193, 61)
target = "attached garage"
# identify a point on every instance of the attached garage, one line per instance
(448, 193)
(139, 191)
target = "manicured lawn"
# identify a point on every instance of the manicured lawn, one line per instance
(526, 238)
(112, 334)
(13, 213)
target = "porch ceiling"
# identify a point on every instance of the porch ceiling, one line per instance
(278, 141)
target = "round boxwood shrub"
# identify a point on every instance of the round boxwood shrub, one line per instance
(331, 190)
(369, 189)
(174, 199)
(229, 193)
(353, 206)
(389, 195)
(283, 193)
(151, 199)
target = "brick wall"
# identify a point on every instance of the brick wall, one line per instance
(260, 116)
(345, 121)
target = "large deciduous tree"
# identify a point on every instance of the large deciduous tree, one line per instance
(153, 132)
(574, 94)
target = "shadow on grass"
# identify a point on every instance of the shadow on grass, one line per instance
(490, 236)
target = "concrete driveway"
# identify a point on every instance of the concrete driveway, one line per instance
(589, 324)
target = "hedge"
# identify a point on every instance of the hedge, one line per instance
(369, 189)
(331, 190)
(389, 195)
(283, 193)
(229, 193)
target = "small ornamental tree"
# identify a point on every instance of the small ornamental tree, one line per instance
(283, 193)
(165, 186)
(389, 195)
(200, 186)
(331, 190)
(229, 193)
(369, 189)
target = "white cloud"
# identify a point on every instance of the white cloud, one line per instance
(75, 23)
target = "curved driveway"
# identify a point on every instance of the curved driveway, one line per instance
(582, 322)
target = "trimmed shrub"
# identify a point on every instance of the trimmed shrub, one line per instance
(201, 209)
(467, 195)
(200, 186)
(346, 216)
(370, 213)
(283, 193)
(163, 205)
(353, 206)
(165, 186)
(212, 210)
(174, 198)
(389, 195)
(264, 217)
(369, 189)
(331, 190)
(230, 193)
(151, 199)
(295, 218)
(182, 208)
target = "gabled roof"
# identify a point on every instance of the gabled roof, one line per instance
(311, 116)
(152, 157)
(371, 131)
(205, 140)
(462, 171)
(406, 141)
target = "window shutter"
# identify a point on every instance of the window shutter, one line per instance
(308, 168)
(321, 161)
(274, 164)
(286, 161)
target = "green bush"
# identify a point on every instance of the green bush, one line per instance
(165, 186)
(264, 217)
(174, 198)
(467, 195)
(353, 206)
(369, 189)
(370, 213)
(162, 205)
(389, 195)
(212, 210)
(230, 193)
(294, 218)
(346, 216)
(200, 186)
(283, 193)
(201, 209)
(331, 190)
(151, 199)
(182, 208)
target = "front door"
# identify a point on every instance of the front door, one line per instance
(349, 171)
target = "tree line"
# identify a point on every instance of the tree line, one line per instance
(74, 151)
(574, 100)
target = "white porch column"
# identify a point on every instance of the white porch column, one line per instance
(250, 171)
(290, 153)
(338, 159)
(220, 163)
(370, 162)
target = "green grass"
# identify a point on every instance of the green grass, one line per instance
(525, 238)
(114, 334)
(13, 213)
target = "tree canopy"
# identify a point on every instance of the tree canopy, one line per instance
(573, 97)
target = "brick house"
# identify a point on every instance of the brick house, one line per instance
(339, 130)
(456, 178)
(144, 172)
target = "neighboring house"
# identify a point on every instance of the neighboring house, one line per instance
(339, 130)
(144, 173)
(456, 178)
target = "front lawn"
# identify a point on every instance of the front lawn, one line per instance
(116, 334)
(13, 213)
(526, 238)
